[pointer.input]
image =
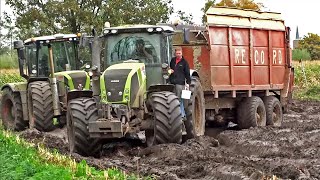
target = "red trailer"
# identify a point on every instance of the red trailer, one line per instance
(243, 58)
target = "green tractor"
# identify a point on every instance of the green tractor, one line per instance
(51, 66)
(132, 97)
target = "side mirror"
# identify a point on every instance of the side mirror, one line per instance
(186, 35)
(18, 44)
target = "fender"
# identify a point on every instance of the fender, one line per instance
(16, 87)
(77, 94)
(20, 88)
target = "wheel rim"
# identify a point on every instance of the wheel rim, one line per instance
(8, 113)
(276, 117)
(259, 116)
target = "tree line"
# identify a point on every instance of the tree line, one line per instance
(42, 17)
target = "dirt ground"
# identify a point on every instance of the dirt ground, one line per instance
(289, 152)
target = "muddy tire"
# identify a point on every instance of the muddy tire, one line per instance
(273, 111)
(80, 112)
(195, 111)
(167, 126)
(40, 106)
(11, 111)
(251, 112)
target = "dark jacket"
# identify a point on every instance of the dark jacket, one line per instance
(181, 72)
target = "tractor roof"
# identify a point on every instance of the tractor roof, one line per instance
(51, 37)
(155, 28)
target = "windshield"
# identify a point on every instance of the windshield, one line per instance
(64, 58)
(138, 46)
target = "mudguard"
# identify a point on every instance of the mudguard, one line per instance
(21, 88)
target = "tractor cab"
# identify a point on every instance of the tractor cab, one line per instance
(34, 55)
(147, 44)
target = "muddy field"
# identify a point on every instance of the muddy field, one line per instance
(289, 152)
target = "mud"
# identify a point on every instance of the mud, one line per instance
(289, 152)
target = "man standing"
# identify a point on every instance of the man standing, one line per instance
(180, 75)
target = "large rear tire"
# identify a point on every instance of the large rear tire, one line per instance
(251, 113)
(80, 112)
(11, 111)
(273, 111)
(167, 119)
(41, 106)
(195, 112)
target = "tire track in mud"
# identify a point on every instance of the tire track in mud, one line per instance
(289, 152)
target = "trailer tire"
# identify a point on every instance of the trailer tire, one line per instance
(41, 106)
(195, 111)
(11, 111)
(273, 111)
(167, 118)
(80, 112)
(251, 112)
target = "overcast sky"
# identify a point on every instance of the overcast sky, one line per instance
(295, 12)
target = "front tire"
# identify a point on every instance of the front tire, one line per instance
(167, 119)
(195, 112)
(11, 111)
(251, 113)
(80, 112)
(41, 106)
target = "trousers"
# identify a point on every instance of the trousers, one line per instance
(183, 102)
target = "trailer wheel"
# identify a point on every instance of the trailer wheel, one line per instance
(195, 112)
(80, 112)
(11, 111)
(273, 111)
(167, 126)
(251, 113)
(41, 106)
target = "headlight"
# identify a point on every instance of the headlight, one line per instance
(150, 29)
(126, 91)
(109, 93)
(120, 93)
(113, 31)
(106, 31)
(126, 98)
(90, 73)
(159, 29)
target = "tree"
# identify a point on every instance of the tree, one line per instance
(38, 17)
(300, 54)
(207, 5)
(311, 43)
(243, 4)
(186, 18)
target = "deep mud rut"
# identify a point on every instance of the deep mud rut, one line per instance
(289, 152)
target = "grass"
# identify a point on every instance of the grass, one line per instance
(10, 76)
(22, 160)
(307, 80)
(9, 61)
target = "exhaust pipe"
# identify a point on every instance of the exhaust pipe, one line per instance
(53, 84)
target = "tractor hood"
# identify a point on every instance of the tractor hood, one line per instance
(123, 83)
(74, 79)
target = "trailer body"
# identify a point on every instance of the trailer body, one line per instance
(240, 53)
